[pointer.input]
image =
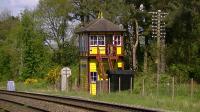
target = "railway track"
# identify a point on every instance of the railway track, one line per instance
(35, 102)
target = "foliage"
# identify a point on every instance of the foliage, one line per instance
(9, 59)
(55, 15)
(53, 75)
(32, 49)
(30, 81)
(5, 67)
(40, 39)
(180, 71)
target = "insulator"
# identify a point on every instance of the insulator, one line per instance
(164, 13)
(154, 19)
(162, 33)
(154, 22)
(154, 16)
(154, 26)
(154, 12)
(163, 29)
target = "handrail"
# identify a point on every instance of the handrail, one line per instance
(99, 58)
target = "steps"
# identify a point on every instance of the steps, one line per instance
(100, 63)
(111, 56)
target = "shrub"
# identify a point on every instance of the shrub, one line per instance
(181, 71)
(30, 81)
(53, 75)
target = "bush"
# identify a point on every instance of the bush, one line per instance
(195, 73)
(181, 71)
(30, 81)
(53, 75)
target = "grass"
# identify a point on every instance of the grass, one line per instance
(181, 102)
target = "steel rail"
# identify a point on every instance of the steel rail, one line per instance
(80, 102)
(21, 104)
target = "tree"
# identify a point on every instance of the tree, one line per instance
(33, 52)
(53, 17)
(9, 65)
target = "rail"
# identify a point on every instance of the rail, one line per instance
(50, 103)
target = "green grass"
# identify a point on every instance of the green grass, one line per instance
(181, 102)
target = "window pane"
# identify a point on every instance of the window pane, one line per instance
(117, 40)
(94, 76)
(95, 40)
(91, 40)
(101, 40)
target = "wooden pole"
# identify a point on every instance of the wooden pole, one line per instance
(158, 54)
(75, 83)
(131, 84)
(108, 85)
(172, 88)
(145, 56)
(119, 84)
(100, 86)
(143, 87)
(192, 87)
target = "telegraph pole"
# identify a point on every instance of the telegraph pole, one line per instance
(158, 31)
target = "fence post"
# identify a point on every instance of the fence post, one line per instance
(100, 86)
(119, 84)
(142, 87)
(75, 83)
(192, 87)
(108, 85)
(172, 88)
(131, 84)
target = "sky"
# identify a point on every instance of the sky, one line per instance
(17, 6)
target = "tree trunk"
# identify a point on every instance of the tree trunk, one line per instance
(145, 56)
(145, 60)
(135, 45)
(134, 58)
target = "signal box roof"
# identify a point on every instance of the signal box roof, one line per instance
(101, 25)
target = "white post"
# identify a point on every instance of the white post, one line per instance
(65, 74)
(63, 82)
(67, 84)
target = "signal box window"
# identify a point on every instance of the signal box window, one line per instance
(97, 40)
(101, 40)
(117, 40)
(93, 40)
(93, 76)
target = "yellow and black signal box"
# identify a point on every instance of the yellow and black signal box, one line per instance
(101, 49)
